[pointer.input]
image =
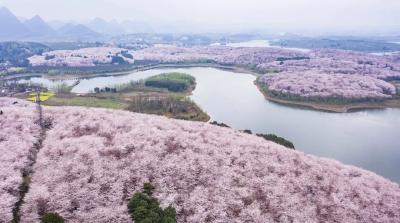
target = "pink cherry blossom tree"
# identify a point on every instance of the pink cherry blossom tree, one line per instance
(94, 160)
(18, 135)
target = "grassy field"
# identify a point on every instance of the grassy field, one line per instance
(86, 101)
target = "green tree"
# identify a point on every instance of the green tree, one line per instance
(143, 208)
(148, 189)
(52, 218)
(277, 139)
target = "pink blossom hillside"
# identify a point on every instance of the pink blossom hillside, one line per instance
(18, 134)
(314, 84)
(94, 160)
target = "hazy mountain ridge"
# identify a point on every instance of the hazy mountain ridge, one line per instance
(101, 26)
(38, 27)
(38, 30)
(78, 32)
(11, 27)
(99, 29)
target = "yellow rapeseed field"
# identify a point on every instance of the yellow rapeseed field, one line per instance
(44, 96)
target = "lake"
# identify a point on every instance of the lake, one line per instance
(367, 139)
(261, 43)
(251, 43)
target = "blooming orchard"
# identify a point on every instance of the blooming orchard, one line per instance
(94, 160)
(85, 57)
(18, 134)
(313, 84)
(217, 54)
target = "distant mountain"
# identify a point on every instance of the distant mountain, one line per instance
(101, 26)
(11, 27)
(35, 29)
(56, 24)
(38, 27)
(78, 32)
(136, 27)
(22, 19)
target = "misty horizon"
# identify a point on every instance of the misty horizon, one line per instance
(308, 17)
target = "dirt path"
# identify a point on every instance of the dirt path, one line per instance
(27, 172)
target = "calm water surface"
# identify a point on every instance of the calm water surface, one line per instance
(251, 43)
(367, 139)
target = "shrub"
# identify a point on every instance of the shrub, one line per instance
(52, 218)
(49, 57)
(277, 139)
(117, 60)
(62, 88)
(126, 54)
(143, 208)
(247, 131)
(219, 124)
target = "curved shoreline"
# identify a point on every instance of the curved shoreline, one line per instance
(235, 69)
(335, 108)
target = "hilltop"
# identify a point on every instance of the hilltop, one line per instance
(93, 160)
(37, 29)
(11, 27)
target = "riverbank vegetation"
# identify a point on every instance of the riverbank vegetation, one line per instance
(166, 104)
(269, 137)
(135, 96)
(176, 82)
(173, 106)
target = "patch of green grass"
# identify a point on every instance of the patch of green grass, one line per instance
(87, 102)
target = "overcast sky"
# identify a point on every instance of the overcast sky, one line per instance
(285, 15)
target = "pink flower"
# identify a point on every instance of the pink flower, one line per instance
(94, 160)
